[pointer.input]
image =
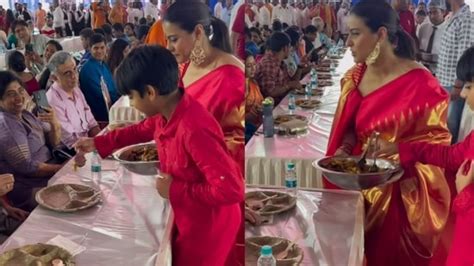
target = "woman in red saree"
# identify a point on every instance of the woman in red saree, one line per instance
(212, 76)
(388, 92)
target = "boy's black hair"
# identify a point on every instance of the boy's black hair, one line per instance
(96, 38)
(278, 41)
(139, 69)
(117, 27)
(465, 67)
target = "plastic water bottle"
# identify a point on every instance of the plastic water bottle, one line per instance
(268, 123)
(266, 257)
(96, 167)
(292, 103)
(312, 85)
(291, 182)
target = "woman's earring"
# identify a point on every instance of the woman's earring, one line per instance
(373, 55)
(197, 54)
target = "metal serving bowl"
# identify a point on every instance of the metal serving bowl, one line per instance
(137, 167)
(358, 181)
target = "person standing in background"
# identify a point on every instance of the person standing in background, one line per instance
(218, 9)
(58, 20)
(152, 12)
(116, 13)
(227, 12)
(40, 17)
(342, 16)
(458, 37)
(78, 20)
(100, 10)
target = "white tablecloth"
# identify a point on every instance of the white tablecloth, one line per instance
(327, 224)
(130, 227)
(265, 158)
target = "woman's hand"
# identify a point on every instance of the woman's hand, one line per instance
(6, 183)
(48, 116)
(163, 184)
(464, 175)
(84, 145)
(79, 159)
(16, 213)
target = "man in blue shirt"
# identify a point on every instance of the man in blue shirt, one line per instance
(86, 34)
(97, 82)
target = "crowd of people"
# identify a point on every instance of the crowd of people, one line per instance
(412, 74)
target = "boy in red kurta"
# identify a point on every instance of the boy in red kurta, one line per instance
(198, 175)
(460, 158)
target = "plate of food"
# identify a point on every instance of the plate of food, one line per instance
(37, 255)
(324, 76)
(346, 173)
(269, 202)
(314, 92)
(279, 119)
(307, 103)
(139, 158)
(323, 69)
(290, 125)
(68, 197)
(285, 251)
(325, 83)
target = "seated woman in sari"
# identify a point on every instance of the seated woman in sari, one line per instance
(453, 158)
(24, 141)
(388, 92)
(253, 98)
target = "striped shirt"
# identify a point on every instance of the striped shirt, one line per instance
(457, 38)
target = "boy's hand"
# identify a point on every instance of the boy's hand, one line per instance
(464, 175)
(163, 184)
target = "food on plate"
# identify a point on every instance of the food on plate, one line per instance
(307, 104)
(279, 119)
(144, 154)
(350, 166)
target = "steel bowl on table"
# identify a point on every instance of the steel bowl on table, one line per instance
(352, 181)
(137, 167)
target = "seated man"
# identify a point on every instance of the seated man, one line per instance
(34, 45)
(96, 81)
(24, 141)
(68, 102)
(272, 74)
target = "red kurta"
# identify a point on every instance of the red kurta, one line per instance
(207, 185)
(451, 158)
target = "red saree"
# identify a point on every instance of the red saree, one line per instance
(404, 219)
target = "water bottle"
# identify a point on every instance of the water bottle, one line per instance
(268, 124)
(291, 182)
(96, 167)
(266, 257)
(292, 103)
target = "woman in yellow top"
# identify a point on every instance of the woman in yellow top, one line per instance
(253, 98)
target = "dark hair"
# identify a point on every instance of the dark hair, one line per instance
(116, 54)
(99, 31)
(187, 15)
(294, 36)
(376, 14)
(310, 29)
(117, 27)
(132, 26)
(284, 26)
(142, 21)
(107, 29)
(10, 16)
(248, 54)
(277, 26)
(465, 67)
(17, 23)
(142, 31)
(247, 32)
(86, 33)
(16, 61)
(421, 12)
(278, 41)
(96, 38)
(255, 30)
(140, 67)
(6, 78)
(56, 44)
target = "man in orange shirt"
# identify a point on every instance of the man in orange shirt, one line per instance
(100, 10)
(40, 17)
(116, 14)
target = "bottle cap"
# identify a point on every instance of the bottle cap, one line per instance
(266, 251)
(290, 166)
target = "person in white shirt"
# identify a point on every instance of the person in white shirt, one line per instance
(218, 9)
(263, 14)
(299, 15)
(152, 11)
(227, 12)
(430, 33)
(420, 19)
(135, 12)
(283, 13)
(342, 16)
(58, 21)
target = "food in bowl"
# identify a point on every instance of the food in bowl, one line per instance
(143, 154)
(350, 166)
